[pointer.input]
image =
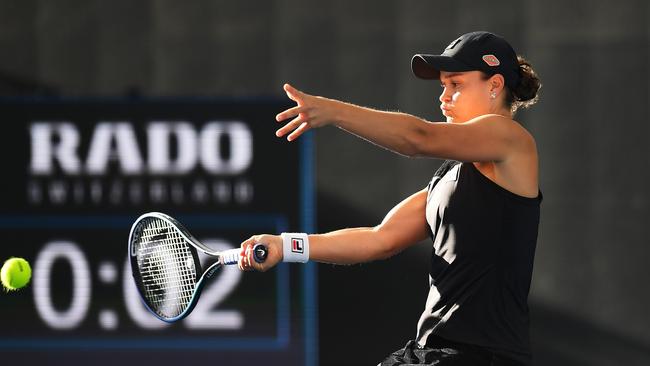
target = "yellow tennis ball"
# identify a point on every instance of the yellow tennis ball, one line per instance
(15, 274)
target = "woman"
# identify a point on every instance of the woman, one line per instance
(481, 209)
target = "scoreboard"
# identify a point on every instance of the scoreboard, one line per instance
(77, 173)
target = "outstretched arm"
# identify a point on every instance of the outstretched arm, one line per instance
(402, 227)
(485, 138)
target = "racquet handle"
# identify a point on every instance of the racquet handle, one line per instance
(231, 256)
(260, 252)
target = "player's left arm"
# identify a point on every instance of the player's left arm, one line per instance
(485, 138)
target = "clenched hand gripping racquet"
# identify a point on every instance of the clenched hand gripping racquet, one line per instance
(166, 268)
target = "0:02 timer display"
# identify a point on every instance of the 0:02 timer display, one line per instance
(207, 314)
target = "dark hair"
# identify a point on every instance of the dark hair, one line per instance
(525, 93)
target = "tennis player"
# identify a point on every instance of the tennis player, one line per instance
(481, 209)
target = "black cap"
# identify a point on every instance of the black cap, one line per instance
(483, 51)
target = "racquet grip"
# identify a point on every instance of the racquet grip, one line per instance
(230, 256)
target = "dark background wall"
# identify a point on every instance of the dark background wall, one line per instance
(589, 298)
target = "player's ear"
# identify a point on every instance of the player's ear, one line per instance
(496, 83)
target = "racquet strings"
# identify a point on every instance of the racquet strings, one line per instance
(166, 267)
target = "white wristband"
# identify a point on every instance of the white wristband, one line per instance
(295, 247)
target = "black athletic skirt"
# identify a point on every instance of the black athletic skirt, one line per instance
(441, 352)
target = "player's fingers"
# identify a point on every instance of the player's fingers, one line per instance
(298, 131)
(295, 123)
(240, 264)
(247, 259)
(252, 263)
(273, 245)
(291, 112)
(245, 244)
(251, 260)
(244, 263)
(293, 93)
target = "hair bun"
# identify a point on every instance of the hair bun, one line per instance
(526, 92)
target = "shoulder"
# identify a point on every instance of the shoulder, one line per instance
(508, 128)
(500, 121)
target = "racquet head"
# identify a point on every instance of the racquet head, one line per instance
(165, 266)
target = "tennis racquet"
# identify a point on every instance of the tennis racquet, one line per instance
(166, 268)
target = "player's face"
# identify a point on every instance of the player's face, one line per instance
(465, 95)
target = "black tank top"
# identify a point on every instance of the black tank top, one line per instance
(484, 240)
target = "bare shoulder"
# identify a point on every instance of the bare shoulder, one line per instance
(512, 128)
(518, 172)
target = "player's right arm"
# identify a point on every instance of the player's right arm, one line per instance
(402, 227)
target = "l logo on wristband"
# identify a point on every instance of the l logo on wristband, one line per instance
(297, 245)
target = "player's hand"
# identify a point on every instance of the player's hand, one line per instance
(310, 112)
(273, 244)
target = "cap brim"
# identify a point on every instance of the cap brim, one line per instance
(429, 66)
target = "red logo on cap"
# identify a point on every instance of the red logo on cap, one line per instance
(491, 60)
